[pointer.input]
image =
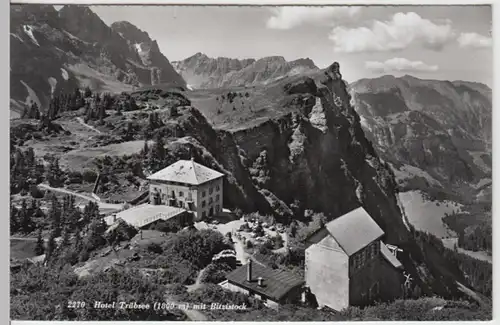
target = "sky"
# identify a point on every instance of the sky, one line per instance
(429, 42)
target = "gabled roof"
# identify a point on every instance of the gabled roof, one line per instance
(386, 253)
(276, 283)
(354, 230)
(186, 171)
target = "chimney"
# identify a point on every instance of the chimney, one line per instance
(249, 270)
(259, 281)
(114, 218)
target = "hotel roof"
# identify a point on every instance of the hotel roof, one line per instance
(186, 171)
(354, 230)
(145, 214)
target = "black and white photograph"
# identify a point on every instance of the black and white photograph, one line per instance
(250, 162)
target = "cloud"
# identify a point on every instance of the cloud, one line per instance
(474, 40)
(290, 17)
(400, 65)
(396, 34)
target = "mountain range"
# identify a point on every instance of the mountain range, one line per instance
(443, 128)
(436, 135)
(200, 71)
(53, 52)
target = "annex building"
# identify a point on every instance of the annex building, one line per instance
(273, 286)
(348, 264)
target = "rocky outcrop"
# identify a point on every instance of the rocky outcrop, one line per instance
(317, 158)
(200, 71)
(54, 52)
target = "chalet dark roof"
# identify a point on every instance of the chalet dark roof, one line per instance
(276, 283)
(386, 253)
(354, 230)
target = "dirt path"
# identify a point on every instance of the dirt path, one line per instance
(197, 284)
(102, 205)
(90, 127)
(24, 238)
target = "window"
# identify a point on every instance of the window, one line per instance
(374, 249)
(203, 194)
(217, 188)
(203, 204)
(217, 208)
(173, 193)
(203, 214)
(181, 193)
(210, 200)
(363, 256)
(217, 197)
(210, 190)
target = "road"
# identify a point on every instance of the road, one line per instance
(197, 284)
(90, 127)
(102, 205)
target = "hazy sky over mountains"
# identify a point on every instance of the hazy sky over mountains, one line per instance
(434, 42)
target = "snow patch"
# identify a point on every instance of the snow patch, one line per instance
(74, 37)
(52, 83)
(31, 95)
(364, 122)
(189, 87)
(64, 74)
(29, 31)
(138, 47)
(478, 161)
(17, 36)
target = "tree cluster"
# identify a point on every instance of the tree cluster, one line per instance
(25, 170)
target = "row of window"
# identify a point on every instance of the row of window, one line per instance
(210, 190)
(369, 252)
(210, 201)
(203, 194)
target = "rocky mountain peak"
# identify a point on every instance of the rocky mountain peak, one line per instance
(130, 32)
(82, 22)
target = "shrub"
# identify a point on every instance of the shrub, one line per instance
(216, 272)
(89, 176)
(36, 193)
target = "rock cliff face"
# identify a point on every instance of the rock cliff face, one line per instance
(200, 71)
(54, 51)
(440, 127)
(315, 157)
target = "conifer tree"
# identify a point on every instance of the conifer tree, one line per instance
(50, 252)
(39, 248)
(88, 92)
(55, 215)
(14, 223)
(25, 218)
